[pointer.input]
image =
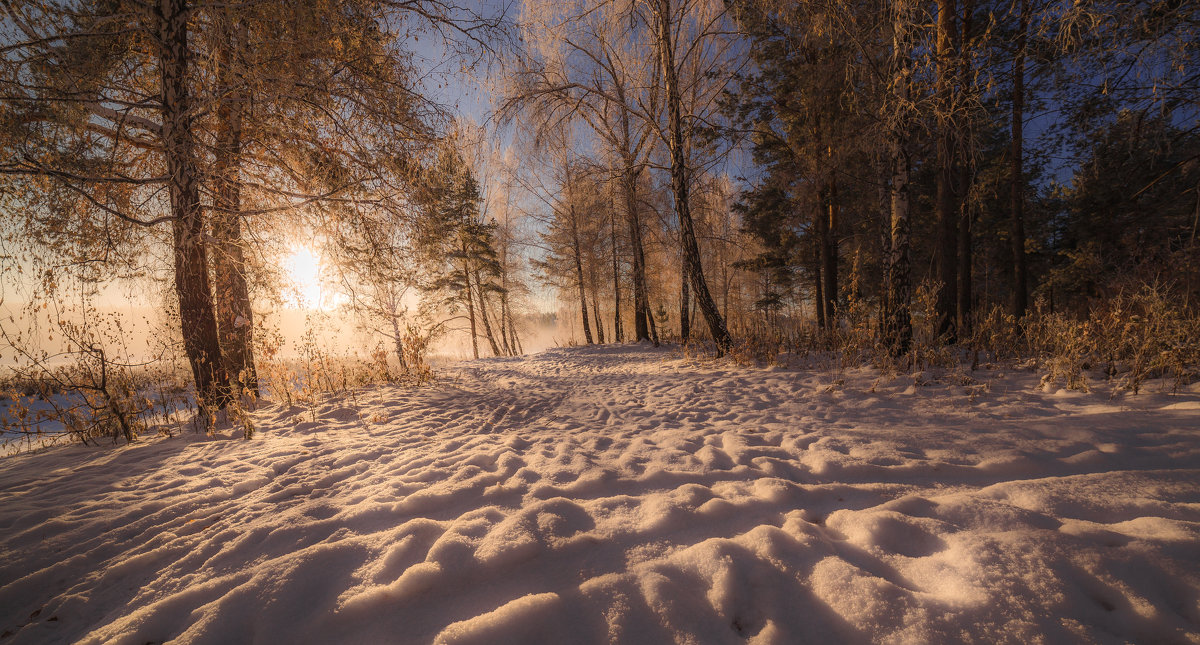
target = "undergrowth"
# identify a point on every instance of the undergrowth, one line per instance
(86, 396)
(1128, 339)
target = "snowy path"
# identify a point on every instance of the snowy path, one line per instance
(620, 494)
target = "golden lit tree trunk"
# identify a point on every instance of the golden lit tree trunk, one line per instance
(679, 182)
(577, 252)
(235, 319)
(618, 336)
(197, 318)
(641, 304)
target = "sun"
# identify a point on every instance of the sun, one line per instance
(303, 268)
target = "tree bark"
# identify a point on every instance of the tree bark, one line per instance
(965, 256)
(899, 321)
(235, 318)
(818, 283)
(505, 343)
(470, 304)
(575, 246)
(685, 326)
(885, 246)
(596, 316)
(679, 183)
(653, 327)
(618, 333)
(1020, 288)
(483, 315)
(512, 333)
(196, 313)
(947, 212)
(829, 253)
(641, 305)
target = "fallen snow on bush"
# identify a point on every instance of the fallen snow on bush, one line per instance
(622, 494)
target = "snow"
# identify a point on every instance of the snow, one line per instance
(626, 494)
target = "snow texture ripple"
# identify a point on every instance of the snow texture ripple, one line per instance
(622, 494)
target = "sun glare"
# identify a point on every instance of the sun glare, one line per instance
(303, 268)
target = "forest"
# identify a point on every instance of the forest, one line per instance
(882, 181)
(769, 321)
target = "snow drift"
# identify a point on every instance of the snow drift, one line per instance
(622, 494)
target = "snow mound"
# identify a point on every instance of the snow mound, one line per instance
(620, 494)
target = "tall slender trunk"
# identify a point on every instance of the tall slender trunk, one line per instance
(641, 304)
(505, 342)
(576, 247)
(235, 318)
(512, 333)
(829, 252)
(679, 183)
(685, 298)
(818, 285)
(885, 246)
(965, 260)
(483, 316)
(470, 303)
(618, 333)
(596, 315)
(1020, 288)
(899, 286)
(899, 321)
(947, 212)
(196, 313)
(650, 320)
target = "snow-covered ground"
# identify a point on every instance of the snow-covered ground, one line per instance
(623, 494)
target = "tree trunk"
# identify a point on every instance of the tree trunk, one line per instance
(899, 321)
(575, 246)
(679, 183)
(470, 304)
(483, 315)
(829, 253)
(947, 212)
(899, 286)
(596, 316)
(818, 293)
(1020, 289)
(512, 333)
(965, 261)
(235, 318)
(885, 247)
(685, 320)
(641, 305)
(618, 333)
(654, 327)
(505, 342)
(196, 313)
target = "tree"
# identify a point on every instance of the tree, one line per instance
(679, 178)
(898, 320)
(946, 201)
(588, 63)
(132, 128)
(1020, 287)
(455, 245)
